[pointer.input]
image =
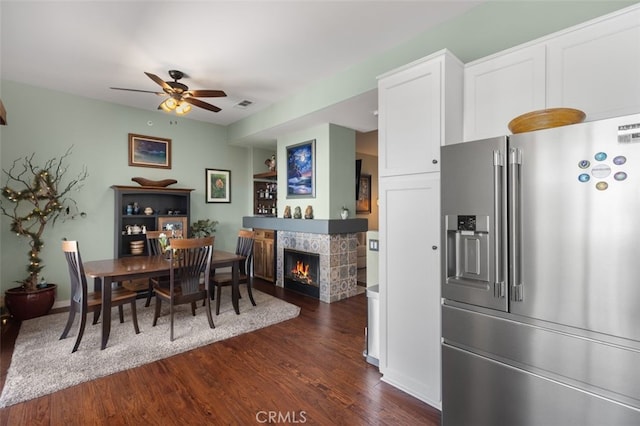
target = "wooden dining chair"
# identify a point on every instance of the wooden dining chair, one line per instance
(244, 247)
(189, 272)
(154, 248)
(84, 301)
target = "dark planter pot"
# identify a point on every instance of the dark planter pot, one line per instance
(24, 305)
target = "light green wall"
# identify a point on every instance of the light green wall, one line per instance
(341, 172)
(48, 122)
(334, 170)
(488, 28)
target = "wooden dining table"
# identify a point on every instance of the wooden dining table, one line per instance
(108, 271)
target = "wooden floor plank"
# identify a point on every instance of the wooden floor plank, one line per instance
(307, 370)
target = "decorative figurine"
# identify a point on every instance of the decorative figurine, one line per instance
(287, 212)
(297, 213)
(271, 163)
(344, 213)
(308, 212)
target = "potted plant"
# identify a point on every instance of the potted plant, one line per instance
(35, 197)
(203, 228)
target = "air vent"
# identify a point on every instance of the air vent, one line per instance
(243, 104)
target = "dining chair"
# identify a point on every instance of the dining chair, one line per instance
(188, 274)
(154, 248)
(244, 247)
(84, 301)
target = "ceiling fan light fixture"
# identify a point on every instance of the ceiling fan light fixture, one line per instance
(164, 106)
(183, 108)
(171, 104)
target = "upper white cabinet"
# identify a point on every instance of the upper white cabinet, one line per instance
(596, 67)
(419, 109)
(500, 88)
(593, 67)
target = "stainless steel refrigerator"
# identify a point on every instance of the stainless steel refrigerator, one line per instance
(541, 277)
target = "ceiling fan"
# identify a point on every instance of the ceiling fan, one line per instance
(180, 97)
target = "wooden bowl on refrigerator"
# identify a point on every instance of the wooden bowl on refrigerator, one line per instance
(546, 119)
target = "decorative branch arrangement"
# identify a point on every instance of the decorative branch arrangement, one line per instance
(40, 199)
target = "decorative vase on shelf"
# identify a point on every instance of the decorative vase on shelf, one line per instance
(344, 214)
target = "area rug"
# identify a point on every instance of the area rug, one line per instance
(42, 364)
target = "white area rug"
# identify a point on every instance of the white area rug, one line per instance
(42, 364)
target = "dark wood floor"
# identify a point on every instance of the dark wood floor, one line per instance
(308, 370)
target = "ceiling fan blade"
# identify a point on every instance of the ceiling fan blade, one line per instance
(136, 90)
(160, 82)
(201, 104)
(207, 93)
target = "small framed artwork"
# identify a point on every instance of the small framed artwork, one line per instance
(218, 186)
(149, 151)
(363, 203)
(175, 226)
(301, 170)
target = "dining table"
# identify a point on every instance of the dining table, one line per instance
(106, 272)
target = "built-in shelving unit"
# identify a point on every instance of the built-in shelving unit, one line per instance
(169, 207)
(265, 194)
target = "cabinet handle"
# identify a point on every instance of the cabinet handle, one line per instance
(434, 247)
(434, 161)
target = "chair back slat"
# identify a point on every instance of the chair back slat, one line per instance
(76, 271)
(153, 242)
(190, 263)
(244, 247)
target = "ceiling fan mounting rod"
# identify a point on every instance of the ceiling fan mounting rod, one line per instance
(176, 75)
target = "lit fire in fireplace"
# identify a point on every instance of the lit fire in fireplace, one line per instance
(301, 273)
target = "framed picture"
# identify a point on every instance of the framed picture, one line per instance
(149, 151)
(176, 226)
(218, 186)
(301, 173)
(363, 203)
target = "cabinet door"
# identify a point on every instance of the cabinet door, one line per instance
(500, 88)
(596, 68)
(410, 284)
(268, 260)
(263, 252)
(409, 117)
(258, 258)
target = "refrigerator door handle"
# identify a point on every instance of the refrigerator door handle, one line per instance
(515, 162)
(498, 188)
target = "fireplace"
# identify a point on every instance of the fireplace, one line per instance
(335, 241)
(301, 272)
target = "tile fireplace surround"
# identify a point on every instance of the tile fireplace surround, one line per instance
(333, 239)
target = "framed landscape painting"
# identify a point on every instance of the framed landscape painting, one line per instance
(218, 186)
(301, 170)
(149, 151)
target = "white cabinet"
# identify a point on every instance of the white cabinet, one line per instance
(419, 109)
(413, 114)
(593, 67)
(500, 88)
(410, 285)
(596, 67)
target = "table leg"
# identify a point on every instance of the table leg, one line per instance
(106, 311)
(235, 291)
(97, 287)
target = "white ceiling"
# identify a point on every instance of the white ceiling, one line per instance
(262, 51)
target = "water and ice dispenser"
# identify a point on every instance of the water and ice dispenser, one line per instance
(468, 254)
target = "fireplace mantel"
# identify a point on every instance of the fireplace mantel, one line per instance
(313, 226)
